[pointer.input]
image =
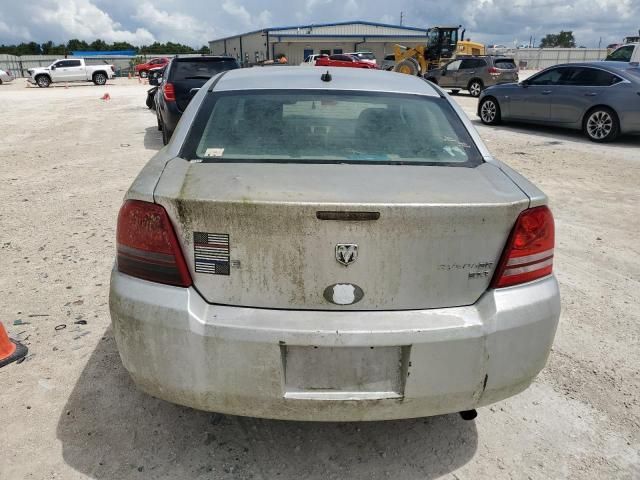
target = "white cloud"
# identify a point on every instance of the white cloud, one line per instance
(175, 27)
(82, 19)
(240, 13)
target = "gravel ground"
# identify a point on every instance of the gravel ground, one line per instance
(70, 411)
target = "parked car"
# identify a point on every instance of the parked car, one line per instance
(71, 70)
(143, 69)
(625, 53)
(342, 60)
(474, 73)
(181, 80)
(388, 63)
(155, 76)
(599, 98)
(364, 56)
(310, 61)
(331, 247)
(497, 49)
(5, 76)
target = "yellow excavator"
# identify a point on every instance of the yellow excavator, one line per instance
(442, 45)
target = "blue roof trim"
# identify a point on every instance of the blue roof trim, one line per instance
(289, 35)
(313, 25)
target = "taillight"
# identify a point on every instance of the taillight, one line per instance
(529, 251)
(493, 70)
(113, 69)
(169, 92)
(147, 245)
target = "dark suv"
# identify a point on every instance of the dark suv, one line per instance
(182, 79)
(474, 73)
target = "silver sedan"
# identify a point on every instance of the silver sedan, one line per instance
(5, 76)
(600, 98)
(331, 244)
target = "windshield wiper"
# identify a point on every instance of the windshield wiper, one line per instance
(198, 77)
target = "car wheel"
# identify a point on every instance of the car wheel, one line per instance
(165, 135)
(490, 111)
(99, 79)
(143, 74)
(601, 125)
(475, 88)
(150, 103)
(43, 81)
(0, 81)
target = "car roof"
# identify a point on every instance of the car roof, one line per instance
(297, 78)
(609, 66)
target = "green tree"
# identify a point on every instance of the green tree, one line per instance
(562, 39)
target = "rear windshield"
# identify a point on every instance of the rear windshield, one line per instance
(200, 68)
(505, 63)
(329, 127)
(622, 54)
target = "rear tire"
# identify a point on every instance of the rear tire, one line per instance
(99, 78)
(475, 88)
(408, 66)
(43, 81)
(490, 111)
(166, 135)
(601, 125)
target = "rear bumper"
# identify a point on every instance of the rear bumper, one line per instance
(247, 361)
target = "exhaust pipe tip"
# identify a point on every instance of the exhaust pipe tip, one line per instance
(469, 414)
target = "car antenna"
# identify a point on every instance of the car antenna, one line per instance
(326, 77)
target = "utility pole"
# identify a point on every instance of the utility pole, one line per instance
(599, 42)
(401, 17)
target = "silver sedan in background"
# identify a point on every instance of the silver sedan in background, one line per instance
(600, 98)
(5, 77)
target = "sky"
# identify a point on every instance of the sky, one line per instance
(195, 22)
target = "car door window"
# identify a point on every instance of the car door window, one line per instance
(61, 64)
(467, 64)
(73, 63)
(590, 77)
(549, 77)
(453, 66)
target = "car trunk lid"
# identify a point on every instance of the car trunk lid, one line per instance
(429, 237)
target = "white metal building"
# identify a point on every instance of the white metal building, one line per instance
(297, 42)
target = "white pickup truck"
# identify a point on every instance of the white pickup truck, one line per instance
(71, 70)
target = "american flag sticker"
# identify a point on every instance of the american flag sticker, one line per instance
(211, 252)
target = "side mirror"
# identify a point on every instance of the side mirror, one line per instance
(524, 84)
(444, 72)
(53, 67)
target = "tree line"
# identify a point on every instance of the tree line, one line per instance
(50, 48)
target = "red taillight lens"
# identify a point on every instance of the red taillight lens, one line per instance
(493, 70)
(169, 92)
(529, 251)
(147, 245)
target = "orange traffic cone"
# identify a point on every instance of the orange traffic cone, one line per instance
(10, 350)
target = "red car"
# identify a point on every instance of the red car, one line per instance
(143, 68)
(343, 61)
